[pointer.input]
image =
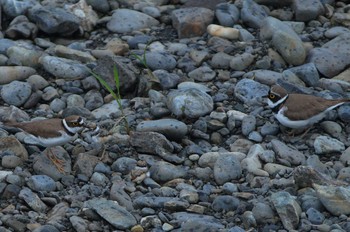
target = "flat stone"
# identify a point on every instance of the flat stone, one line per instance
(126, 20)
(113, 213)
(191, 21)
(171, 128)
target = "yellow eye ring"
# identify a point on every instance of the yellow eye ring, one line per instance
(272, 96)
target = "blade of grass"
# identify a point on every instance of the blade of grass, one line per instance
(116, 79)
(105, 84)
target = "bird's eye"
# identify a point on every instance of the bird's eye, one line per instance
(272, 96)
(75, 123)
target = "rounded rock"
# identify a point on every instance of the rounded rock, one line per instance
(16, 93)
(41, 183)
(191, 103)
(171, 128)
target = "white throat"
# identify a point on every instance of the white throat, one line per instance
(274, 104)
(72, 130)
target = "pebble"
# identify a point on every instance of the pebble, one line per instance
(191, 21)
(288, 154)
(248, 91)
(64, 68)
(227, 14)
(63, 22)
(32, 200)
(116, 215)
(167, 80)
(11, 161)
(241, 62)
(285, 40)
(171, 128)
(204, 153)
(163, 171)
(325, 144)
(122, 21)
(160, 60)
(225, 202)
(202, 74)
(14, 73)
(253, 14)
(226, 168)
(282, 201)
(248, 124)
(333, 198)
(224, 32)
(191, 103)
(16, 93)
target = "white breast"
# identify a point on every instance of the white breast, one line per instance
(49, 142)
(301, 123)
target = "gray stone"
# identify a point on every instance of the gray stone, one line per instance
(119, 194)
(116, 215)
(126, 20)
(306, 10)
(20, 27)
(11, 161)
(221, 60)
(160, 60)
(290, 47)
(226, 168)
(336, 199)
(13, 73)
(227, 14)
(163, 171)
(41, 183)
(99, 5)
(242, 61)
(198, 222)
(332, 57)
(37, 82)
(266, 77)
(191, 103)
(32, 200)
(269, 129)
(99, 179)
(284, 39)
(315, 216)
(16, 8)
(249, 91)
(287, 208)
(167, 80)
(156, 144)
(248, 124)
(292, 156)
(16, 93)
(203, 73)
(252, 14)
(64, 68)
(225, 202)
(255, 136)
(124, 165)
(191, 21)
(75, 100)
(57, 105)
(54, 20)
(171, 128)
(263, 213)
(307, 72)
(325, 145)
(78, 223)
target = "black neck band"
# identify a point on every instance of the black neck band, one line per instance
(67, 131)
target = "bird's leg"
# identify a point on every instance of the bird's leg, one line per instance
(305, 132)
(56, 161)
